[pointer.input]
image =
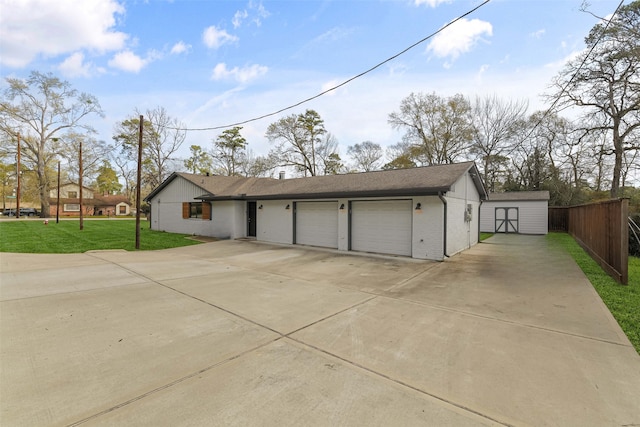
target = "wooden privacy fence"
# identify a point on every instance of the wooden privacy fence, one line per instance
(601, 229)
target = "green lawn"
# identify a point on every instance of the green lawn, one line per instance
(32, 236)
(623, 301)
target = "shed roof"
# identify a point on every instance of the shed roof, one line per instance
(398, 182)
(519, 196)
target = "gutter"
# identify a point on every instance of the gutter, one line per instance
(444, 237)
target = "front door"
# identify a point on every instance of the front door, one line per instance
(506, 220)
(251, 219)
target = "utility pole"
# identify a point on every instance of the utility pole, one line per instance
(80, 172)
(58, 199)
(139, 177)
(18, 178)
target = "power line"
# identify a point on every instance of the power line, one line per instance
(297, 104)
(564, 88)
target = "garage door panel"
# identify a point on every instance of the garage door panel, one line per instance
(317, 224)
(382, 226)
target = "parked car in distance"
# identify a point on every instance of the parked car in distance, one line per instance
(23, 212)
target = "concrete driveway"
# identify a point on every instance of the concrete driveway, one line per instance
(242, 333)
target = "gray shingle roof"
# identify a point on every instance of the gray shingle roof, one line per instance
(397, 182)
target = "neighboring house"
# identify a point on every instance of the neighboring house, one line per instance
(524, 212)
(426, 213)
(92, 202)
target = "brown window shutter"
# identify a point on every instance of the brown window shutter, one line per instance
(206, 211)
(185, 210)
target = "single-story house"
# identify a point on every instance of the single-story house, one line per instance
(426, 213)
(524, 212)
(93, 203)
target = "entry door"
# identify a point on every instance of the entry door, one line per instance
(506, 220)
(251, 219)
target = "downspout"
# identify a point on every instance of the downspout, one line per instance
(479, 218)
(444, 234)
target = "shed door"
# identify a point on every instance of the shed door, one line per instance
(316, 224)
(383, 226)
(506, 220)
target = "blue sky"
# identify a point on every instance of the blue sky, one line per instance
(211, 63)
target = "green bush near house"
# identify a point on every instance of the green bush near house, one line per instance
(622, 300)
(32, 236)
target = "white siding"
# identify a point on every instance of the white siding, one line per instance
(462, 233)
(532, 215)
(166, 213)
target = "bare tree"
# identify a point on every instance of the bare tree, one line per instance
(366, 156)
(495, 124)
(300, 142)
(42, 108)
(162, 137)
(440, 127)
(606, 84)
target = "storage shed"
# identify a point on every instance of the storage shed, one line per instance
(523, 212)
(426, 213)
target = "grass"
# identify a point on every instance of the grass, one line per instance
(32, 236)
(485, 236)
(623, 301)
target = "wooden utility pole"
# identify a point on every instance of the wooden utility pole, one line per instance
(139, 177)
(18, 178)
(58, 199)
(80, 172)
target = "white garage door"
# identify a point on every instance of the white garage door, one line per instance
(317, 224)
(382, 226)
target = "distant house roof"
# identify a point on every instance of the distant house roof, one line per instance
(519, 196)
(428, 180)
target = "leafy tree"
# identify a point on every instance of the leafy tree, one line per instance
(299, 142)
(228, 151)
(440, 128)
(366, 156)
(107, 180)
(606, 84)
(199, 162)
(42, 109)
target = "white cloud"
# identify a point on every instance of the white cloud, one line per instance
(241, 75)
(213, 37)
(180, 47)
(128, 61)
(29, 28)
(74, 66)
(432, 3)
(538, 34)
(238, 17)
(255, 12)
(459, 38)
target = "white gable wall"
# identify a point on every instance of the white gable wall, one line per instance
(461, 232)
(532, 215)
(166, 213)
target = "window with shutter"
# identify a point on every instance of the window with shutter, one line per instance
(206, 211)
(185, 210)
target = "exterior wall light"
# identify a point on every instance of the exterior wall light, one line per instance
(260, 207)
(342, 206)
(288, 207)
(418, 206)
